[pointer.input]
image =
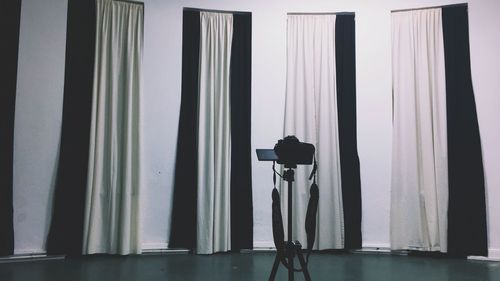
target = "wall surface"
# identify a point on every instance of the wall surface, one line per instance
(40, 83)
(40, 98)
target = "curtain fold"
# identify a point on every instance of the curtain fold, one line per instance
(214, 134)
(112, 221)
(467, 226)
(419, 197)
(66, 228)
(311, 115)
(10, 14)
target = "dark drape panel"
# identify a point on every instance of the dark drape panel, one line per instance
(241, 160)
(467, 231)
(346, 106)
(183, 225)
(10, 17)
(66, 231)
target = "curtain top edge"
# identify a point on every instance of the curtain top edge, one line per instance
(130, 2)
(190, 9)
(431, 7)
(314, 14)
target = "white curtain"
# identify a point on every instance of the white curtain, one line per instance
(311, 115)
(112, 203)
(419, 197)
(214, 134)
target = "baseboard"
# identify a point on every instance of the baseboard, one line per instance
(30, 257)
(493, 255)
(161, 249)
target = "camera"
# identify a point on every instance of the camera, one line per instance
(288, 151)
(291, 152)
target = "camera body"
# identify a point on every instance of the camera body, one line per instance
(291, 152)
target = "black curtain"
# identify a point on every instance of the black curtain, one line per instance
(241, 159)
(183, 224)
(345, 46)
(184, 208)
(10, 17)
(66, 231)
(467, 231)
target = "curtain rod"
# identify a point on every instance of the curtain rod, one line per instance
(337, 13)
(215, 11)
(129, 1)
(433, 7)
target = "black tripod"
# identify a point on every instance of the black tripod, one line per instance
(292, 247)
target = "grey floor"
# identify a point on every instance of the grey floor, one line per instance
(250, 266)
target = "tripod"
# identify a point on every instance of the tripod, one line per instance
(292, 247)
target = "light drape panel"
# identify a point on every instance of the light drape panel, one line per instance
(112, 203)
(419, 196)
(214, 134)
(311, 115)
(66, 229)
(10, 14)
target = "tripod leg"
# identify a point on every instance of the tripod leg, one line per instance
(275, 268)
(291, 253)
(303, 265)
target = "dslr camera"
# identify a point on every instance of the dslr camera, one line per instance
(291, 152)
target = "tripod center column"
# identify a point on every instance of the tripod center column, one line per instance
(290, 177)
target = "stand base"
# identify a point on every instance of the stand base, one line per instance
(292, 248)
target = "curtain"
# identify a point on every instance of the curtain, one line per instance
(467, 227)
(111, 222)
(212, 205)
(214, 134)
(66, 228)
(184, 204)
(10, 14)
(241, 127)
(345, 46)
(438, 198)
(311, 115)
(420, 168)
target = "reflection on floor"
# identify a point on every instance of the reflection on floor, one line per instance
(250, 266)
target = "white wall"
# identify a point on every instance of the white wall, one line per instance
(161, 101)
(37, 127)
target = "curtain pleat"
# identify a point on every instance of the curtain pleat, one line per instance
(311, 115)
(241, 104)
(10, 14)
(345, 58)
(66, 230)
(184, 209)
(112, 203)
(419, 196)
(214, 134)
(467, 229)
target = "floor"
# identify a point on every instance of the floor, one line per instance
(256, 266)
